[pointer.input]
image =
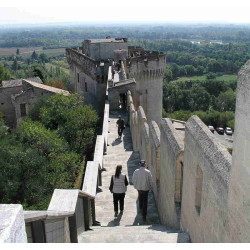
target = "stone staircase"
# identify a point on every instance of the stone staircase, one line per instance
(134, 234)
(128, 227)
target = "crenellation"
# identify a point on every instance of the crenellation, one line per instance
(145, 129)
(156, 134)
(168, 131)
(141, 115)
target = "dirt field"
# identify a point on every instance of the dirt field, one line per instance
(27, 51)
(12, 51)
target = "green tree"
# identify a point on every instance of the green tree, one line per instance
(34, 55)
(199, 98)
(168, 74)
(226, 101)
(210, 75)
(34, 109)
(75, 122)
(49, 144)
(4, 74)
(43, 58)
(23, 174)
(39, 71)
(230, 124)
(14, 65)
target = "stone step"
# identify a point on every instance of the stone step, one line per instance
(133, 234)
(129, 226)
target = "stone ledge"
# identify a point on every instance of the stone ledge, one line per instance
(141, 114)
(145, 130)
(167, 130)
(219, 158)
(12, 227)
(155, 132)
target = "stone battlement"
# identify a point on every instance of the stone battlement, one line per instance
(146, 64)
(84, 62)
(144, 56)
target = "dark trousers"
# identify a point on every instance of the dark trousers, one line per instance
(120, 198)
(120, 130)
(143, 201)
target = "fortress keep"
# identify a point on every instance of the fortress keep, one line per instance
(125, 67)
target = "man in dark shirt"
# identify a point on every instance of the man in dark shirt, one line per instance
(121, 126)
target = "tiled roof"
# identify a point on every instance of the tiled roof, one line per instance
(18, 82)
(48, 88)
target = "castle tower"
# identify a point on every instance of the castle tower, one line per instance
(89, 67)
(239, 183)
(147, 68)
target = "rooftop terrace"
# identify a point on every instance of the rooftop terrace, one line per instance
(107, 40)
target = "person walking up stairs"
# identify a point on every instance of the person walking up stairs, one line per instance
(128, 226)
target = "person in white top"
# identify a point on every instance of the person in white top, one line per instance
(118, 187)
(142, 180)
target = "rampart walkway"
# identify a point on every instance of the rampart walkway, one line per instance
(128, 227)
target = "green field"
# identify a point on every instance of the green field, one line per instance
(27, 51)
(226, 78)
(49, 65)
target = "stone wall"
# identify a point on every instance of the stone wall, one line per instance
(120, 55)
(207, 163)
(148, 71)
(170, 189)
(6, 106)
(55, 231)
(120, 88)
(12, 227)
(154, 148)
(146, 140)
(191, 173)
(88, 78)
(83, 84)
(103, 50)
(239, 187)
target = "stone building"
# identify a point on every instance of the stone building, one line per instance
(17, 95)
(7, 89)
(124, 67)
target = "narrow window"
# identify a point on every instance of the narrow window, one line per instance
(78, 77)
(198, 189)
(86, 87)
(178, 183)
(23, 109)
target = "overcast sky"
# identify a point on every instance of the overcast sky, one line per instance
(139, 11)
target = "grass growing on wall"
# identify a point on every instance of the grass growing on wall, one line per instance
(79, 178)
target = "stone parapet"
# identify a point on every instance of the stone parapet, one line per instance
(145, 129)
(168, 131)
(86, 64)
(220, 161)
(155, 132)
(141, 114)
(12, 225)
